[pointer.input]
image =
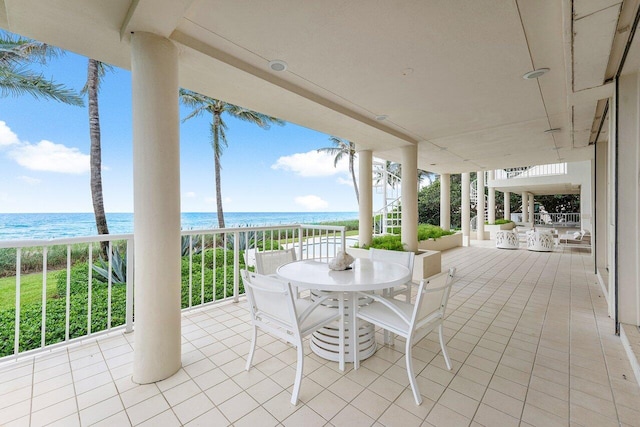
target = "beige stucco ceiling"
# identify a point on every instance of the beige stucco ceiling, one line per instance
(447, 73)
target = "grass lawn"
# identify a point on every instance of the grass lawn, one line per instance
(30, 289)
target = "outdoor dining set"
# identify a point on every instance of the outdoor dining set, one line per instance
(540, 239)
(342, 306)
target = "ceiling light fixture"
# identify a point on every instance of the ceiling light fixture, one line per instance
(535, 73)
(553, 130)
(381, 117)
(277, 65)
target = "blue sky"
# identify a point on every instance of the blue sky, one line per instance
(44, 148)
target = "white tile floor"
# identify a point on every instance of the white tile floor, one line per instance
(528, 334)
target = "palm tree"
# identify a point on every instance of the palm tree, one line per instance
(203, 104)
(395, 174)
(341, 148)
(16, 79)
(95, 72)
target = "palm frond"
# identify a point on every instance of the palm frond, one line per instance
(20, 81)
(102, 71)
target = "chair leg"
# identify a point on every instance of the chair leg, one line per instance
(353, 329)
(412, 378)
(444, 347)
(298, 380)
(252, 349)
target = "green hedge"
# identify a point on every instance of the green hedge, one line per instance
(31, 313)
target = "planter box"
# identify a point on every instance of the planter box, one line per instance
(497, 227)
(426, 263)
(441, 244)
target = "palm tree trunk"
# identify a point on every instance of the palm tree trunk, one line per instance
(216, 158)
(353, 176)
(96, 153)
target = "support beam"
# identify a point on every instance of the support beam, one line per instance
(445, 201)
(465, 209)
(156, 207)
(480, 206)
(365, 206)
(409, 156)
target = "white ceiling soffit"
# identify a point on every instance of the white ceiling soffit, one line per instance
(447, 73)
(543, 189)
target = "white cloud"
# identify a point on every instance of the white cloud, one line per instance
(7, 136)
(51, 157)
(311, 202)
(311, 164)
(29, 180)
(190, 194)
(345, 181)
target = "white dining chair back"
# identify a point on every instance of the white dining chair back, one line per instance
(405, 258)
(268, 261)
(275, 310)
(412, 321)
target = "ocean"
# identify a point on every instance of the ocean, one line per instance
(56, 225)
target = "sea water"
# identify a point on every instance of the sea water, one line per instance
(57, 225)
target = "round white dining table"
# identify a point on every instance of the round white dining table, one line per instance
(364, 275)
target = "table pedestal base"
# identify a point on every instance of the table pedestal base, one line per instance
(326, 341)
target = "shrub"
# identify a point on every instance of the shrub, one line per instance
(389, 242)
(31, 313)
(428, 231)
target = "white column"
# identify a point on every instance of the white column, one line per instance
(465, 209)
(525, 207)
(409, 229)
(507, 205)
(492, 199)
(156, 207)
(365, 207)
(480, 206)
(532, 211)
(445, 201)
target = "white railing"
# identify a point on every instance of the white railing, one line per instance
(532, 171)
(86, 301)
(571, 219)
(389, 218)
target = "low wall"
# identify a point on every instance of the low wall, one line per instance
(426, 264)
(441, 244)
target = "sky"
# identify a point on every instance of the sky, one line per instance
(44, 156)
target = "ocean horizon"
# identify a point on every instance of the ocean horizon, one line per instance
(24, 226)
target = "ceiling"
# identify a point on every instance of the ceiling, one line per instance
(447, 74)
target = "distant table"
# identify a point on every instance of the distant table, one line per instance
(366, 275)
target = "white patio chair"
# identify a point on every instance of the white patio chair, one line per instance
(399, 257)
(268, 261)
(407, 319)
(275, 310)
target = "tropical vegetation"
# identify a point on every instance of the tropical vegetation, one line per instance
(342, 148)
(202, 104)
(16, 79)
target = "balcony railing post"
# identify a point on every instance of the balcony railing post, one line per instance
(16, 338)
(236, 267)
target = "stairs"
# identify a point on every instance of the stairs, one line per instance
(474, 202)
(388, 219)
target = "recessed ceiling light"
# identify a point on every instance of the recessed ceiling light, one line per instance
(277, 65)
(553, 130)
(381, 117)
(443, 148)
(407, 71)
(535, 73)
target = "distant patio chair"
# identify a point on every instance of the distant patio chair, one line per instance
(507, 239)
(267, 262)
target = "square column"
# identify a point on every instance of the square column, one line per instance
(156, 207)
(445, 201)
(365, 204)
